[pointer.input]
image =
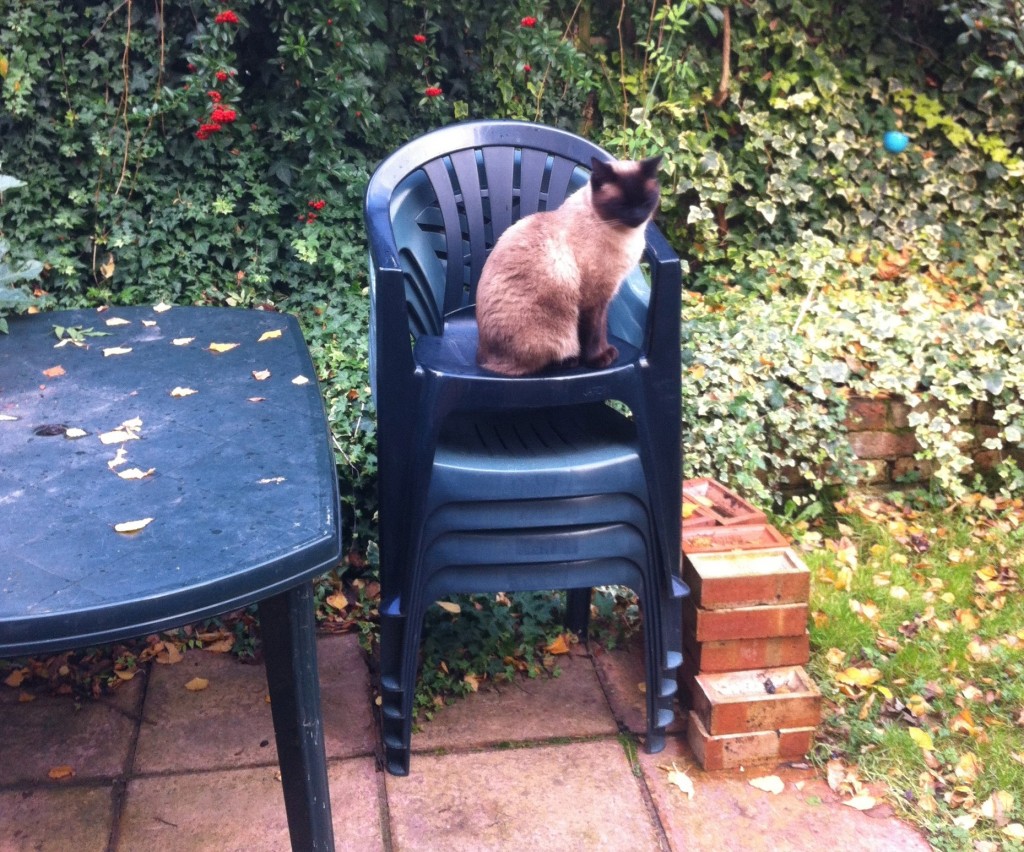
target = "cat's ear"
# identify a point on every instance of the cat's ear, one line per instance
(649, 167)
(601, 172)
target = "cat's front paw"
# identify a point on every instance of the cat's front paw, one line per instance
(603, 358)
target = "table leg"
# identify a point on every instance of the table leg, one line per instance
(289, 648)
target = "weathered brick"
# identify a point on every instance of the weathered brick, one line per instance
(912, 469)
(751, 622)
(739, 537)
(867, 414)
(729, 751)
(756, 700)
(733, 655)
(728, 507)
(872, 471)
(883, 445)
(747, 578)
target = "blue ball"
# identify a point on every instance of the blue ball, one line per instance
(895, 142)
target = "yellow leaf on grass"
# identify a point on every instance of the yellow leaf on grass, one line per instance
(859, 677)
(863, 802)
(337, 600)
(269, 335)
(997, 806)
(59, 773)
(967, 768)
(963, 723)
(559, 646)
(180, 392)
(769, 783)
(221, 347)
(1015, 831)
(116, 350)
(197, 684)
(449, 607)
(129, 527)
(921, 738)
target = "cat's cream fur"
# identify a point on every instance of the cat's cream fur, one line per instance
(543, 294)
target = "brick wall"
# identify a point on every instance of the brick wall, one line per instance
(884, 443)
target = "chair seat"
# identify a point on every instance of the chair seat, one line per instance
(454, 353)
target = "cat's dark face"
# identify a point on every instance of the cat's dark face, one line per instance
(626, 193)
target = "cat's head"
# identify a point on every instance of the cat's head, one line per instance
(625, 192)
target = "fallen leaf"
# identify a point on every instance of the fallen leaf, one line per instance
(337, 600)
(119, 458)
(221, 347)
(59, 773)
(472, 681)
(170, 654)
(129, 527)
(123, 674)
(107, 269)
(965, 821)
(15, 678)
(53, 372)
(449, 607)
(558, 646)
(118, 321)
(221, 646)
(161, 307)
(256, 399)
(73, 432)
(180, 392)
(182, 341)
(269, 335)
(300, 380)
(197, 684)
(769, 783)
(997, 806)
(149, 323)
(854, 676)
(680, 779)
(118, 436)
(261, 375)
(271, 480)
(1015, 831)
(863, 802)
(7, 418)
(135, 473)
(116, 350)
(922, 738)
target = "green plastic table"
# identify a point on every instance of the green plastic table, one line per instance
(167, 465)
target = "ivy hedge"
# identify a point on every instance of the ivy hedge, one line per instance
(217, 152)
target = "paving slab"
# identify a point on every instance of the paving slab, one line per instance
(576, 796)
(56, 819)
(185, 729)
(570, 705)
(727, 814)
(243, 810)
(93, 738)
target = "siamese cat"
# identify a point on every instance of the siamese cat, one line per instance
(543, 294)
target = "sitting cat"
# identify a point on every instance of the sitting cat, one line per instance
(544, 291)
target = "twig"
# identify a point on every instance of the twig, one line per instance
(723, 84)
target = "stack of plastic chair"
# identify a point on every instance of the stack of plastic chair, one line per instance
(489, 483)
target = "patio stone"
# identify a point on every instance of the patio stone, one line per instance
(56, 819)
(49, 731)
(571, 705)
(579, 796)
(243, 809)
(807, 818)
(184, 730)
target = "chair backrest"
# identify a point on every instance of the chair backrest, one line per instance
(449, 195)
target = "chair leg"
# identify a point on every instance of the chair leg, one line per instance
(577, 611)
(289, 648)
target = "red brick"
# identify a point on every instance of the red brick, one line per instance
(920, 469)
(734, 655)
(867, 414)
(883, 445)
(741, 703)
(739, 537)
(751, 622)
(729, 751)
(728, 506)
(747, 578)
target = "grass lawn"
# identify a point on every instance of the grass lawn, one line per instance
(918, 646)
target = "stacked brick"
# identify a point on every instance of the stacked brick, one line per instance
(745, 634)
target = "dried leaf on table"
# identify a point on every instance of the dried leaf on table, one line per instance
(182, 341)
(53, 372)
(136, 473)
(161, 307)
(179, 392)
(73, 432)
(131, 527)
(300, 380)
(261, 375)
(269, 335)
(116, 350)
(218, 348)
(118, 321)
